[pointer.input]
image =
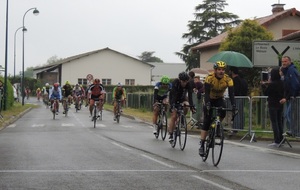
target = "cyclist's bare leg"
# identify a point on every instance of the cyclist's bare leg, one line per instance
(100, 104)
(91, 106)
(115, 107)
(155, 114)
(172, 121)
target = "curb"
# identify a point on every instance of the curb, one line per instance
(13, 119)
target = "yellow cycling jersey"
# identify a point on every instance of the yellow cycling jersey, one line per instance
(218, 86)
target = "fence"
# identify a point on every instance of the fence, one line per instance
(253, 116)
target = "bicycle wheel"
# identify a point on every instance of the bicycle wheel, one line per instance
(118, 112)
(53, 109)
(159, 126)
(175, 135)
(100, 115)
(95, 116)
(182, 132)
(164, 126)
(118, 117)
(218, 143)
(207, 145)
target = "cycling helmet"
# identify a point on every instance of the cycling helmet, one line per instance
(67, 82)
(38, 89)
(77, 85)
(55, 84)
(97, 81)
(220, 64)
(119, 84)
(165, 79)
(47, 84)
(183, 76)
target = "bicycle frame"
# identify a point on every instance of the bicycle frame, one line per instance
(162, 122)
(118, 109)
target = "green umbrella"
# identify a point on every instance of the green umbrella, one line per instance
(231, 58)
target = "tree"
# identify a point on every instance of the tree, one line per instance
(240, 39)
(210, 21)
(147, 56)
(52, 60)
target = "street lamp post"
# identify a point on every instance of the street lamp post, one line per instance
(6, 52)
(15, 51)
(35, 12)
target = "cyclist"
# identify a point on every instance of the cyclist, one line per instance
(215, 85)
(55, 93)
(161, 92)
(38, 93)
(119, 93)
(96, 93)
(67, 93)
(78, 92)
(181, 92)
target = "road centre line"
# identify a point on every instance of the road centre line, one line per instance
(155, 160)
(212, 183)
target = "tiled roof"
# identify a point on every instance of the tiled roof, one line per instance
(264, 21)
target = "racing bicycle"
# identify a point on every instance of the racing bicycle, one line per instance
(180, 131)
(162, 121)
(97, 114)
(215, 137)
(118, 111)
(65, 106)
(54, 107)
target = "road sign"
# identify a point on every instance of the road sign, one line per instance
(89, 77)
(266, 53)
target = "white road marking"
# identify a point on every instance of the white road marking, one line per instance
(100, 125)
(120, 146)
(212, 183)
(158, 161)
(38, 125)
(126, 126)
(76, 171)
(12, 125)
(67, 124)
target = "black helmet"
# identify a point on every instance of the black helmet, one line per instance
(183, 76)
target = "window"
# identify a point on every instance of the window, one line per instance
(82, 81)
(129, 82)
(106, 81)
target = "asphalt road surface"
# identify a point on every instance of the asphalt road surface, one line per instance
(37, 152)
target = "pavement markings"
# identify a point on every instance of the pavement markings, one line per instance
(212, 183)
(123, 147)
(38, 125)
(67, 124)
(12, 125)
(158, 161)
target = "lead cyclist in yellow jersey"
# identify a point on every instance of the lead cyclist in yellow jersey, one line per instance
(215, 86)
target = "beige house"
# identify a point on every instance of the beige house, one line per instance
(284, 24)
(108, 65)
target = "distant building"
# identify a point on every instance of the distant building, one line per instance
(170, 69)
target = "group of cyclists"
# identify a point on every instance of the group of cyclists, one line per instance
(180, 92)
(77, 95)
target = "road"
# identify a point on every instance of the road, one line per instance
(37, 152)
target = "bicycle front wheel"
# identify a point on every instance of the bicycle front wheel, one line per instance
(218, 143)
(164, 126)
(95, 116)
(207, 145)
(182, 132)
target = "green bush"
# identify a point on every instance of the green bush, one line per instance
(10, 94)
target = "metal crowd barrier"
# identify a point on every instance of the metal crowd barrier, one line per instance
(253, 116)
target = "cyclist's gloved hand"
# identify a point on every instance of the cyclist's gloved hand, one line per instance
(208, 106)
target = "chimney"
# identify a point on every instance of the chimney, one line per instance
(276, 8)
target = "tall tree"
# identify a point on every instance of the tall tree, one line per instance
(210, 21)
(147, 56)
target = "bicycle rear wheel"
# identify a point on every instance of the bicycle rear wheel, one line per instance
(164, 126)
(218, 143)
(182, 132)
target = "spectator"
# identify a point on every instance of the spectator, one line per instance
(274, 91)
(240, 87)
(291, 89)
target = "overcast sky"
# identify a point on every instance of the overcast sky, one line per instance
(69, 27)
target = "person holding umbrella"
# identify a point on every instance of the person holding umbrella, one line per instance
(215, 85)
